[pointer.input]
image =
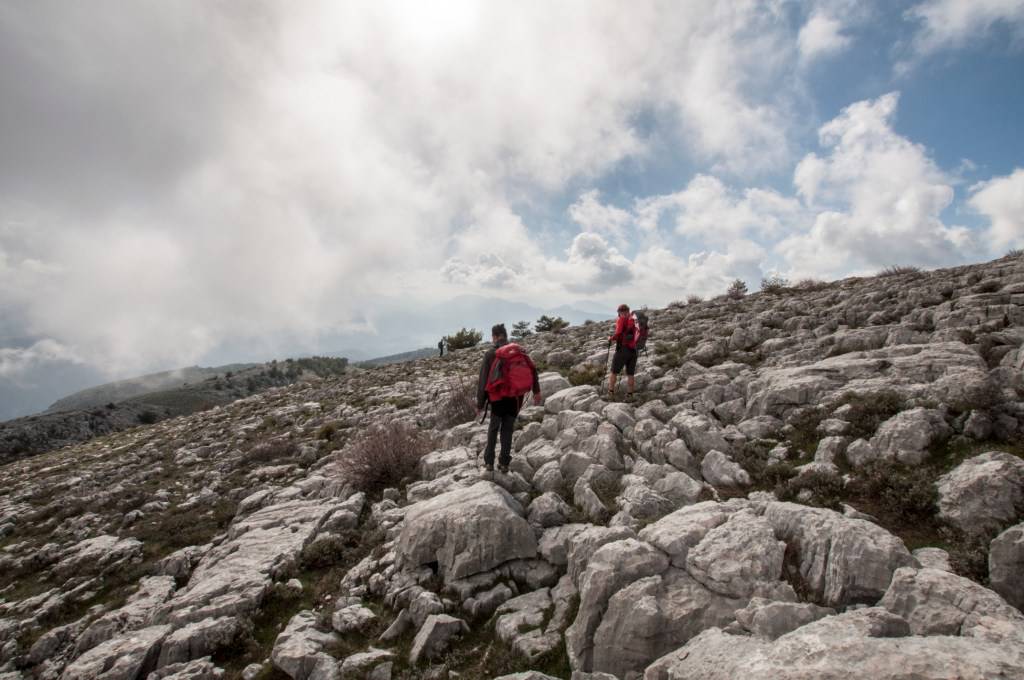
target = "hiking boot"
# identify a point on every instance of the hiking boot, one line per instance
(503, 469)
(487, 473)
(629, 396)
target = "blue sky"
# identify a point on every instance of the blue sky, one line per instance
(186, 182)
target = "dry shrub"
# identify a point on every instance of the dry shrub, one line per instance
(271, 451)
(899, 270)
(905, 493)
(385, 456)
(458, 403)
(694, 299)
(774, 285)
(870, 409)
(810, 285)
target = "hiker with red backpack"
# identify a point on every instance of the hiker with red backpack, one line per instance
(506, 375)
(630, 337)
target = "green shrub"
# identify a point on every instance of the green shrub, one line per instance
(825, 490)
(804, 435)
(906, 493)
(148, 417)
(694, 299)
(385, 456)
(464, 338)
(1014, 253)
(810, 285)
(869, 410)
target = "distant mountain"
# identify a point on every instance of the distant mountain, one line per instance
(58, 428)
(399, 358)
(142, 385)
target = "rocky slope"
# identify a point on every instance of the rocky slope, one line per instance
(820, 483)
(81, 417)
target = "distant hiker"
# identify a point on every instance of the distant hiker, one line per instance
(506, 375)
(440, 347)
(626, 336)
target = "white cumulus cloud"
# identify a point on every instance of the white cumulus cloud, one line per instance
(821, 36)
(952, 24)
(1001, 199)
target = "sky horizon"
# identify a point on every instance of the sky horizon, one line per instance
(184, 182)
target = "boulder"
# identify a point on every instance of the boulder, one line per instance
(907, 436)
(840, 561)
(196, 640)
(300, 646)
(936, 602)
(126, 657)
(466, 531)
(1006, 565)
(735, 558)
(983, 493)
(769, 619)
(720, 470)
(548, 510)
(612, 567)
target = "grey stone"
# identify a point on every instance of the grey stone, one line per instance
(434, 637)
(983, 493)
(720, 470)
(1006, 565)
(299, 648)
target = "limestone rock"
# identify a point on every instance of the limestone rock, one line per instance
(983, 493)
(126, 657)
(434, 637)
(466, 531)
(734, 558)
(720, 470)
(907, 435)
(1006, 565)
(299, 648)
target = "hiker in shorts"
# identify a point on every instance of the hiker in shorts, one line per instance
(625, 338)
(504, 409)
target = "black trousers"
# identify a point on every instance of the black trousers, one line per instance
(503, 422)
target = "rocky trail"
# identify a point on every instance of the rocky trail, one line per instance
(821, 482)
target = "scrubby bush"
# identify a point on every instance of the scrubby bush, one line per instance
(907, 493)
(694, 299)
(670, 354)
(810, 285)
(737, 289)
(589, 374)
(457, 404)
(804, 429)
(550, 324)
(148, 417)
(899, 270)
(868, 411)
(817, 488)
(464, 338)
(385, 456)
(1014, 253)
(774, 285)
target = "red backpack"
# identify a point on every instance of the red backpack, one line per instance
(630, 333)
(511, 373)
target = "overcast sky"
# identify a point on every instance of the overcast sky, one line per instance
(182, 181)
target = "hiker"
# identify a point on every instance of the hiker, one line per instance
(440, 347)
(625, 339)
(506, 375)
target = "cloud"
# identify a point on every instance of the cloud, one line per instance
(820, 37)
(594, 216)
(16, 361)
(878, 199)
(178, 178)
(1001, 199)
(711, 212)
(954, 24)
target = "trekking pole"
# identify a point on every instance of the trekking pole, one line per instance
(486, 406)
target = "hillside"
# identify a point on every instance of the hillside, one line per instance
(101, 395)
(55, 429)
(819, 482)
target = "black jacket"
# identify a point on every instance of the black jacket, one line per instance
(485, 369)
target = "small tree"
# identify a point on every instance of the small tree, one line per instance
(464, 339)
(520, 330)
(737, 289)
(548, 324)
